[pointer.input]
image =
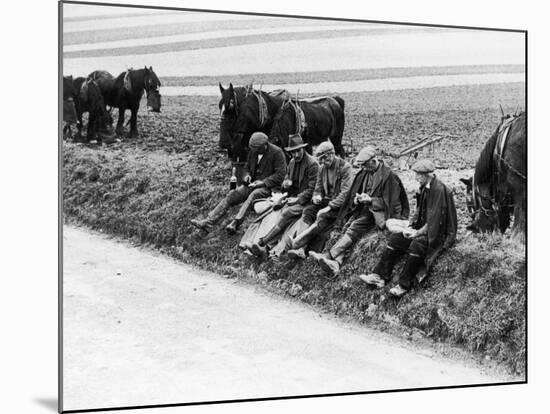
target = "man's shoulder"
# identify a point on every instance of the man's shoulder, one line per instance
(275, 148)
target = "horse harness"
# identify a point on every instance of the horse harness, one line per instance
(301, 123)
(500, 146)
(263, 114)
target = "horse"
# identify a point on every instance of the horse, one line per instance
(69, 107)
(316, 120)
(499, 185)
(125, 92)
(255, 113)
(89, 99)
(229, 105)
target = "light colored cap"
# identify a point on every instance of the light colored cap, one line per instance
(324, 148)
(257, 140)
(366, 154)
(423, 166)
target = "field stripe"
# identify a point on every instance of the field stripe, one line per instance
(109, 14)
(337, 75)
(169, 29)
(217, 42)
(152, 19)
(214, 34)
(361, 52)
(370, 85)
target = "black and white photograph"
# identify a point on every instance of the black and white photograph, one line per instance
(266, 206)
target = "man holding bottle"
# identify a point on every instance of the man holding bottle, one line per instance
(266, 165)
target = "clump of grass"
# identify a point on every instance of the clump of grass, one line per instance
(474, 296)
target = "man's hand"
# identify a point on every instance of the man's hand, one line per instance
(256, 184)
(287, 184)
(409, 233)
(363, 198)
(323, 211)
(316, 199)
(291, 201)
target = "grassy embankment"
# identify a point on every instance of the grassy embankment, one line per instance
(474, 298)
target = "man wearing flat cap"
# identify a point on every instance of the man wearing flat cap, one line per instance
(332, 184)
(432, 229)
(299, 183)
(376, 195)
(266, 166)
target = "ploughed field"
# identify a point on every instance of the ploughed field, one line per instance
(148, 189)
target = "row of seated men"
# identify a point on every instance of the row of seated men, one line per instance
(323, 191)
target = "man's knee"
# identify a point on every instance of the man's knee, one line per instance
(418, 248)
(237, 196)
(397, 241)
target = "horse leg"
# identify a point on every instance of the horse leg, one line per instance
(90, 132)
(504, 217)
(78, 137)
(120, 123)
(520, 210)
(133, 123)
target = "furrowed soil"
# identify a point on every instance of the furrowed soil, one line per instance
(147, 189)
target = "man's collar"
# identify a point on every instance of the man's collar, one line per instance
(429, 183)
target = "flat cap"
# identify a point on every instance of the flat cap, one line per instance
(423, 166)
(367, 153)
(257, 140)
(324, 148)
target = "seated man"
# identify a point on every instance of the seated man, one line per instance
(266, 166)
(299, 183)
(332, 184)
(376, 195)
(433, 228)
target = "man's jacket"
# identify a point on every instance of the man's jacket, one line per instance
(307, 176)
(271, 169)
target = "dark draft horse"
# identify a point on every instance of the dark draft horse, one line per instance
(499, 185)
(316, 120)
(89, 99)
(230, 101)
(125, 92)
(255, 113)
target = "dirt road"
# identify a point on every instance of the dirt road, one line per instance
(140, 328)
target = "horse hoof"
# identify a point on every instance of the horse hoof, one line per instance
(133, 134)
(120, 131)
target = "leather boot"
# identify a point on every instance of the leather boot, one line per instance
(410, 269)
(301, 239)
(272, 234)
(332, 262)
(233, 226)
(212, 217)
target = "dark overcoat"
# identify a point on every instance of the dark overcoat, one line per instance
(389, 198)
(307, 174)
(441, 220)
(271, 169)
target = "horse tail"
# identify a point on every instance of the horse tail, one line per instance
(338, 127)
(340, 101)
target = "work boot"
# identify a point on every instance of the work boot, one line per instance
(316, 255)
(205, 224)
(212, 217)
(373, 279)
(258, 250)
(301, 239)
(397, 291)
(233, 226)
(297, 254)
(331, 267)
(410, 269)
(331, 263)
